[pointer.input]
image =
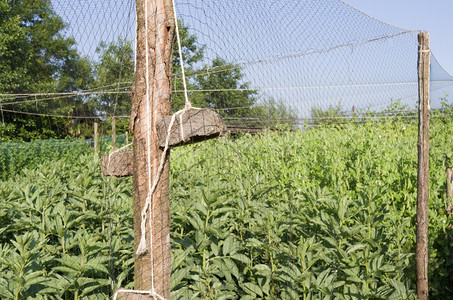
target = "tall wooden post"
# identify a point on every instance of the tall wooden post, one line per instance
(448, 210)
(113, 133)
(95, 137)
(151, 102)
(449, 173)
(421, 254)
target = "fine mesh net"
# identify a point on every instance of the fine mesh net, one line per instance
(74, 66)
(307, 191)
(302, 56)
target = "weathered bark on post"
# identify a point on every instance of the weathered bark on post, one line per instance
(151, 102)
(197, 125)
(421, 255)
(192, 126)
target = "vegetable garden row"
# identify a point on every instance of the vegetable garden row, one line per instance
(328, 213)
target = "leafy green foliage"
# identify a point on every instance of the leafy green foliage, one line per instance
(63, 227)
(322, 214)
(327, 214)
(222, 85)
(33, 48)
(15, 157)
(37, 58)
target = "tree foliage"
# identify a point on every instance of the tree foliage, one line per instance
(114, 70)
(222, 85)
(37, 57)
(334, 114)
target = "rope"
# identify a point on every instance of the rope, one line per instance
(181, 59)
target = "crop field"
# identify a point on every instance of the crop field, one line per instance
(328, 213)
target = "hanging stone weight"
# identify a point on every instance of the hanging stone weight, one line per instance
(118, 165)
(197, 125)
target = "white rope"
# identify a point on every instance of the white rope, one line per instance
(181, 60)
(181, 127)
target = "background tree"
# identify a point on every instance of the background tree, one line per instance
(114, 71)
(334, 114)
(37, 58)
(193, 54)
(229, 93)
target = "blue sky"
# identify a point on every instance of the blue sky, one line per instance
(317, 53)
(269, 38)
(434, 16)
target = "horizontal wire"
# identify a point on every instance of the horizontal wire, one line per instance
(68, 95)
(64, 96)
(61, 116)
(368, 115)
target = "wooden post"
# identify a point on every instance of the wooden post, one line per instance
(448, 210)
(113, 133)
(127, 137)
(95, 137)
(449, 173)
(421, 254)
(151, 102)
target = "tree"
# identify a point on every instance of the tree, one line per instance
(226, 89)
(114, 71)
(334, 114)
(37, 58)
(270, 112)
(221, 85)
(192, 54)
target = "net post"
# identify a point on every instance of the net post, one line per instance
(448, 211)
(95, 138)
(114, 133)
(151, 102)
(421, 254)
(449, 194)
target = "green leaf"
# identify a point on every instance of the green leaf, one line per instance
(252, 288)
(241, 257)
(228, 245)
(355, 248)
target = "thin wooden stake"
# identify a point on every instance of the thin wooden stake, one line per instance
(95, 137)
(421, 254)
(114, 133)
(448, 211)
(449, 173)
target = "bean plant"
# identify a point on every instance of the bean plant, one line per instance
(325, 213)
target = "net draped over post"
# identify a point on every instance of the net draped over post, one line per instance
(308, 192)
